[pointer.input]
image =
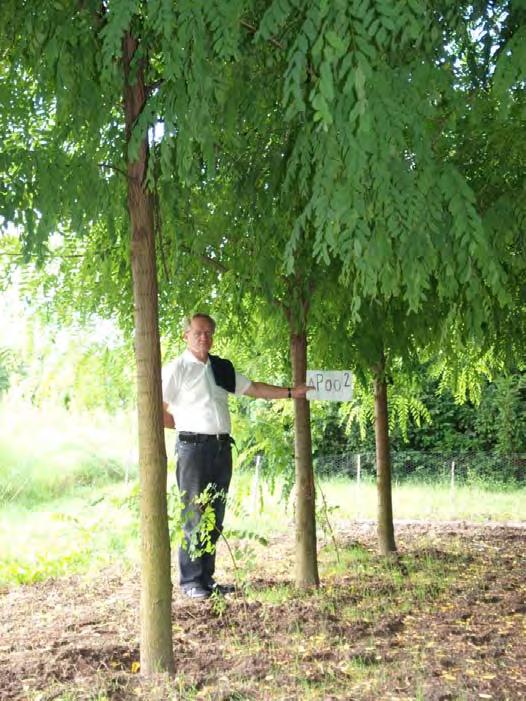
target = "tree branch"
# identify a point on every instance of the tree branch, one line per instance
(48, 256)
(212, 262)
(275, 42)
(52, 255)
(110, 166)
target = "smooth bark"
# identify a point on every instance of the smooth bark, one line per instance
(156, 588)
(386, 539)
(306, 550)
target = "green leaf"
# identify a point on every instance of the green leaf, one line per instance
(326, 81)
(359, 82)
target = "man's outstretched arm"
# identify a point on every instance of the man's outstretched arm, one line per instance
(260, 390)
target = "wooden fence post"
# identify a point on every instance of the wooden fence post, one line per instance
(255, 485)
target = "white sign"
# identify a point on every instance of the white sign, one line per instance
(331, 385)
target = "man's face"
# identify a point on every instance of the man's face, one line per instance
(199, 338)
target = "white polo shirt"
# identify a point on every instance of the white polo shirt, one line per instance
(194, 400)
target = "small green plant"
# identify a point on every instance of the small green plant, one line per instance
(323, 514)
(219, 604)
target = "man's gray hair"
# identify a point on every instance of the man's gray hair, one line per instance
(188, 321)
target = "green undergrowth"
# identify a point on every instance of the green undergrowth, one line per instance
(93, 525)
(324, 639)
(74, 534)
(49, 453)
(426, 501)
(69, 501)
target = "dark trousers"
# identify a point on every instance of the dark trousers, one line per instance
(198, 466)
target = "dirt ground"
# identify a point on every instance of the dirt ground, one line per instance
(371, 633)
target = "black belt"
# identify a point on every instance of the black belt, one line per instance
(187, 437)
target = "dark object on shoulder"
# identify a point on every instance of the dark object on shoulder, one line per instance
(224, 373)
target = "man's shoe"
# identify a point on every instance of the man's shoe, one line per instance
(197, 592)
(222, 589)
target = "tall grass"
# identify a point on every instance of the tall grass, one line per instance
(64, 479)
(74, 534)
(49, 452)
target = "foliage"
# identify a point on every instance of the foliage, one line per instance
(62, 126)
(370, 92)
(86, 375)
(266, 429)
(362, 155)
(65, 453)
(354, 180)
(9, 366)
(497, 422)
(407, 408)
(502, 414)
(82, 365)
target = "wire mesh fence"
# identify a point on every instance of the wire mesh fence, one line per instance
(453, 467)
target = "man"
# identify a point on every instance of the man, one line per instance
(195, 401)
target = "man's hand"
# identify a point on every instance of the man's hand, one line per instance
(168, 419)
(301, 391)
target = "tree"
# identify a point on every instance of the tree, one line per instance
(265, 292)
(61, 40)
(156, 589)
(82, 84)
(373, 99)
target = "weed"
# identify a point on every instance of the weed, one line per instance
(276, 594)
(218, 603)
(323, 519)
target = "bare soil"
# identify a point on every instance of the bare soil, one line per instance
(445, 621)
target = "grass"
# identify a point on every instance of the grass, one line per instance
(68, 499)
(48, 452)
(433, 502)
(364, 593)
(74, 534)
(64, 480)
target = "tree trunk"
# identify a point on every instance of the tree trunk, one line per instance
(306, 551)
(386, 539)
(156, 587)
